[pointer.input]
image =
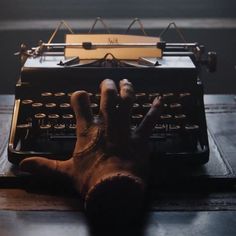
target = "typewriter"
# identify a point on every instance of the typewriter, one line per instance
(43, 123)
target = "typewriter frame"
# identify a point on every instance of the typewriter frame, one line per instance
(194, 84)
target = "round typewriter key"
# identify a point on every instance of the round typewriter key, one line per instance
(165, 118)
(140, 97)
(180, 118)
(133, 127)
(152, 96)
(45, 129)
(40, 116)
(68, 97)
(26, 102)
(36, 106)
(65, 108)
(64, 105)
(23, 131)
(24, 126)
(50, 107)
(168, 97)
(174, 128)
(97, 97)
(136, 119)
(39, 119)
(53, 119)
(182, 95)
(91, 96)
(59, 94)
(95, 108)
(25, 110)
(175, 108)
(72, 127)
(191, 136)
(165, 108)
(159, 128)
(60, 97)
(67, 119)
(136, 108)
(146, 107)
(59, 128)
(70, 94)
(46, 94)
(192, 128)
(46, 97)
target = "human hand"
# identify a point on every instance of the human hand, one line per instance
(110, 165)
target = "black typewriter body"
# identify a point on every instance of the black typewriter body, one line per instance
(43, 122)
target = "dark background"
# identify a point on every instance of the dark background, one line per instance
(212, 23)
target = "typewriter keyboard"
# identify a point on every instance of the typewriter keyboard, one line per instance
(48, 118)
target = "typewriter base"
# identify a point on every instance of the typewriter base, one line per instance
(221, 168)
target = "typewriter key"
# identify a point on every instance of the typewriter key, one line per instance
(95, 108)
(59, 128)
(59, 94)
(166, 118)
(91, 96)
(23, 130)
(25, 110)
(175, 108)
(136, 108)
(191, 136)
(68, 97)
(140, 97)
(60, 97)
(50, 107)
(174, 128)
(65, 108)
(37, 107)
(97, 97)
(165, 108)
(26, 102)
(185, 99)
(184, 95)
(136, 119)
(67, 119)
(45, 129)
(39, 118)
(46, 94)
(72, 128)
(192, 128)
(146, 107)
(180, 118)
(53, 119)
(133, 127)
(152, 96)
(168, 97)
(24, 126)
(159, 128)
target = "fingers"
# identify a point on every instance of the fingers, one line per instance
(45, 167)
(145, 128)
(81, 105)
(108, 104)
(126, 102)
(127, 98)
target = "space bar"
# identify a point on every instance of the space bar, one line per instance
(62, 137)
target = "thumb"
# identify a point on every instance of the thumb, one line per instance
(45, 167)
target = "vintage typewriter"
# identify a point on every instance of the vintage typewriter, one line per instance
(43, 123)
